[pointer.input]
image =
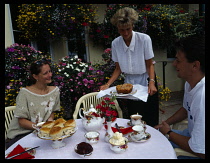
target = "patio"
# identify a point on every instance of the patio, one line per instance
(171, 106)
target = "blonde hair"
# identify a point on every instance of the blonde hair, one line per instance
(124, 17)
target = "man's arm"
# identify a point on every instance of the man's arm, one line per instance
(180, 115)
(182, 142)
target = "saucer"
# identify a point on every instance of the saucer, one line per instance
(147, 137)
(129, 123)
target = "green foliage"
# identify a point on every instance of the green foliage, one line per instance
(164, 23)
(53, 21)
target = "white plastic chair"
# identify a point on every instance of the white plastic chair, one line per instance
(9, 114)
(89, 99)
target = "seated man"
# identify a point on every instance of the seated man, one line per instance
(190, 66)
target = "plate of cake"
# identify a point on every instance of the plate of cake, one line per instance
(124, 90)
(58, 129)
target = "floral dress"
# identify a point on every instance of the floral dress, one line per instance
(33, 107)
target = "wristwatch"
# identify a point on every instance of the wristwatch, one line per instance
(167, 134)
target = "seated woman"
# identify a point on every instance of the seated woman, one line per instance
(35, 103)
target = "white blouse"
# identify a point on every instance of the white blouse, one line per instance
(132, 59)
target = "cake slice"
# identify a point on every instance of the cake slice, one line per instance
(124, 88)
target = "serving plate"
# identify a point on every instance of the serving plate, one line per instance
(122, 94)
(58, 138)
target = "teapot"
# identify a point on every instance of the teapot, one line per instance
(91, 120)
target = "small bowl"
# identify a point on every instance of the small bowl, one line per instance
(119, 148)
(82, 155)
(92, 137)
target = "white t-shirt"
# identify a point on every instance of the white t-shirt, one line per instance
(194, 103)
(132, 59)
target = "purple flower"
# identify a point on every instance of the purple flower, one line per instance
(91, 81)
(10, 49)
(85, 81)
(16, 67)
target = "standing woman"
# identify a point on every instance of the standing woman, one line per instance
(132, 53)
(35, 103)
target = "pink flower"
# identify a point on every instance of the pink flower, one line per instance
(91, 68)
(108, 50)
(85, 81)
(91, 81)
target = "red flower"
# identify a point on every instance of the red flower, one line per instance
(103, 103)
(108, 113)
(112, 103)
(181, 11)
(107, 99)
(98, 106)
(147, 9)
(85, 24)
(114, 113)
(106, 36)
(98, 30)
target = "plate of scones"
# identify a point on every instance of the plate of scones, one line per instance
(58, 129)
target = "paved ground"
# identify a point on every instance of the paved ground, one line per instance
(171, 106)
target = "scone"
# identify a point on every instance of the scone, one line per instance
(56, 132)
(44, 132)
(48, 124)
(124, 88)
(70, 122)
(59, 122)
(68, 130)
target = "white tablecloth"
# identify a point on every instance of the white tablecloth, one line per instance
(156, 147)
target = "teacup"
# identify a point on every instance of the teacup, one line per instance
(136, 119)
(119, 148)
(92, 137)
(138, 133)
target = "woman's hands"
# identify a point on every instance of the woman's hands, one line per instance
(114, 76)
(151, 88)
(103, 87)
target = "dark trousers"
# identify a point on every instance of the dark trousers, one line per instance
(149, 110)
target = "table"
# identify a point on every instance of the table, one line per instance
(156, 147)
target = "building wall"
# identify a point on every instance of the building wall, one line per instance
(9, 39)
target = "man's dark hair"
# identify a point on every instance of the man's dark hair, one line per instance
(194, 49)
